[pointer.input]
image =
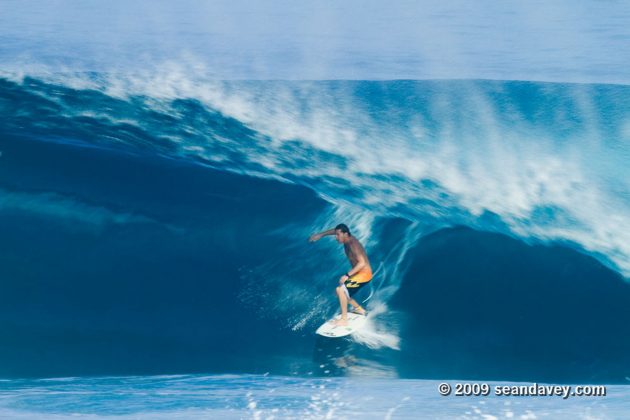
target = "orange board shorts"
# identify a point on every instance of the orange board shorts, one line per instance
(358, 280)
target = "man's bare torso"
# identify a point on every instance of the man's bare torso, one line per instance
(354, 250)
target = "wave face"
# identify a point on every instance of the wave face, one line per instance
(158, 223)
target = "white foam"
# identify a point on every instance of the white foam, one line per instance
(376, 333)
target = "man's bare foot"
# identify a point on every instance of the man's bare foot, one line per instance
(341, 322)
(359, 311)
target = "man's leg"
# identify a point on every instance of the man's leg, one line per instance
(343, 302)
(356, 306)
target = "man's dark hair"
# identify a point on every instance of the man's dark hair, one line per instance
(343, 228)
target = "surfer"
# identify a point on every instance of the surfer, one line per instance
(358, 276)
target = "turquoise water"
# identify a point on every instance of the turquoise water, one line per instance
(265, 397)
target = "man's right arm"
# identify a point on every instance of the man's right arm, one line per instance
(317, 236)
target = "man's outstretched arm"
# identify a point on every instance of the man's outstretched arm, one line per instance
(317, 236)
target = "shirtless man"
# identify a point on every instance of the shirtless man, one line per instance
(359, 275)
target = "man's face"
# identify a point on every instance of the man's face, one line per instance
(341, 237)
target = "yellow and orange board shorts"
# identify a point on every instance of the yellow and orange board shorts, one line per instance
(358, 280)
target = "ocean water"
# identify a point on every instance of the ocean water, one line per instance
(157, 190)
(267, 397)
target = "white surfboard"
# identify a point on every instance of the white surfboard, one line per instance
(329, 329)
